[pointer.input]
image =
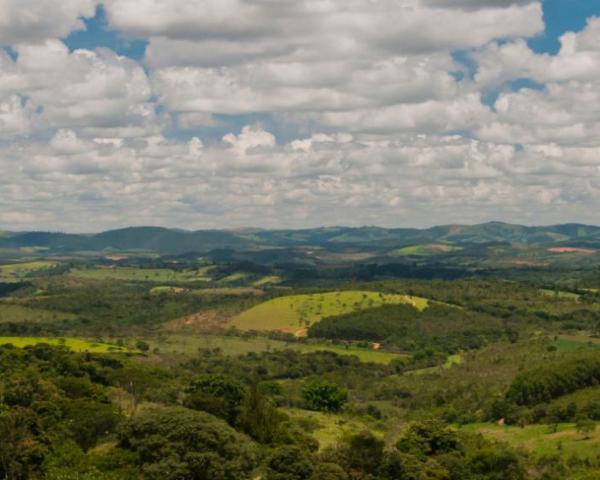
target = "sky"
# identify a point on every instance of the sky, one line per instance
(298, 113)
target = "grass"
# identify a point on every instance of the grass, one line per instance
(19, 314)
(297, 312)
(452, 360)
(560, 294)
(235, 277)
(575, 343)
(425, 250)
(16, 271)
(226, 291)
(232, 345)
(328, 428)
(141, 274)
(268, 280)
(539, 440)
(75, 344)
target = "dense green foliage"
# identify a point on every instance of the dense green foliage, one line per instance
(506, 363)
(546, 383)
(446, 328)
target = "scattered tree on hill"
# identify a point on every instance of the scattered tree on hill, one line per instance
(324, 396)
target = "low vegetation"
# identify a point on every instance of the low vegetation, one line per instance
(295, 313)
(303, 363)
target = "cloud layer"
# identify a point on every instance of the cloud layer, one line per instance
(295, 113)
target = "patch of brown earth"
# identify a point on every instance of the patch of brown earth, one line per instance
(201, 321)
(301, 333)
(582, 251)
(526, 263)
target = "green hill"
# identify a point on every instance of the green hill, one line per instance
(172, 241)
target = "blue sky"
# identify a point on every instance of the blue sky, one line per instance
(562, 16)
(212, 114)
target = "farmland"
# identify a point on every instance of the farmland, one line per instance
(542, 440)
(378, 351)
(19, 314)
(75, 344)
(297, 312)
(426, 250)
(234, 345)
(132, 274)
(18, 271)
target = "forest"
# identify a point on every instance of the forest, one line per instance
(139, 365)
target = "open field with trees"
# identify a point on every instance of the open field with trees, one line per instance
(355, 369)
(296, 313)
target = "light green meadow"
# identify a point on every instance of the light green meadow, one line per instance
(296, 313)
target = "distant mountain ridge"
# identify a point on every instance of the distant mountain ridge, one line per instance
(175, 241)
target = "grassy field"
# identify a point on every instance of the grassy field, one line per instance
(16, 271)
(452, 360)
(18, 314)
(141, 274)
(560, 294)
(268, 280)
(75, 344)
(539, 440)
(235, 277)
(225, 291)
(425, 250)
(231, 345)
(297, 312)
(574, 343)
(328, 428)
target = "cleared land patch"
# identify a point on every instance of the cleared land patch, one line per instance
(268, 280)
(19, 314)
(232, 345)
(16, 271)
(327, 428)
(231, 291)
(297, 312)
(581, 251)
(426, 250)
(75, 344)
(540, 440)
(141, 274)
(575, 343)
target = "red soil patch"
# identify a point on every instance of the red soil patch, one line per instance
(526, 263)
(439, 247)
(582, 251)
(202, 321)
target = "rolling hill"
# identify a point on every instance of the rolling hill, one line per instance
(173, 241)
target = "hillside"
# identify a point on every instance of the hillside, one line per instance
(172, 241)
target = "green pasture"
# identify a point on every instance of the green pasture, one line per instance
(133, 274)
(451, 361)
(16, 271)
(18, 314)
(268, 280)
(232, 345)
(225, 291)
(560, 294)
(295, 313)
(425, 250)
(541, 440)
(235, 277)
(75, 344)
(575, 343)
(328, 428)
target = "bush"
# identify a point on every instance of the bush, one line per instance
(174, 443)
(324, 396)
